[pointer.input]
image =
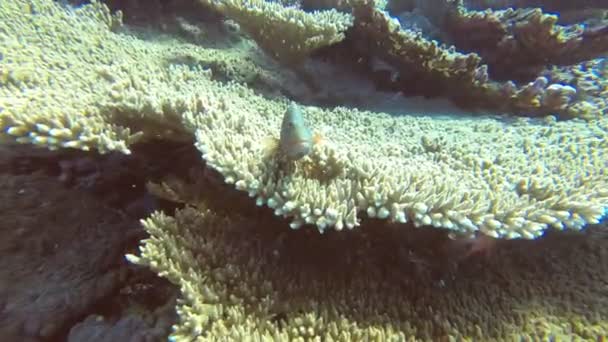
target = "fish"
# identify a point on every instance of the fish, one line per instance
(296, 138)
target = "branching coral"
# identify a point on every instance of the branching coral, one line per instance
(519, 39)
(38, 89)
(462, 77)
(506, 179)
(67, 80)
(286, 32)
(247, 278)
(71, 78)
(463, 174)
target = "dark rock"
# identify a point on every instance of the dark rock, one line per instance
(131, 328)
(61, 252)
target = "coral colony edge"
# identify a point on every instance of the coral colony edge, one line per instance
(338, 170)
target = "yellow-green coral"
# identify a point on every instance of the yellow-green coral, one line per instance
(462, 77)
(286, 32)
(68, 79)
(246, 278)
(524, 37)
(504, 178)
(591, 81)
(43, 100)
(507, 179)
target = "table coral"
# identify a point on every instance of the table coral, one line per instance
(75, 78)
(506, 179)
(512, 40)
(244, 278)
(463, 77)
(286, 32)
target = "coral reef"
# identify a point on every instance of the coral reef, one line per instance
(285, 32)
(384, 167)
(246, 277)
(514, 39)
(430, 68)
(77, 78)
(83, 97)
(591, 80)
(549, 5)
(461, 173)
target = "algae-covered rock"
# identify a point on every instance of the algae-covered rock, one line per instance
(60, 253)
